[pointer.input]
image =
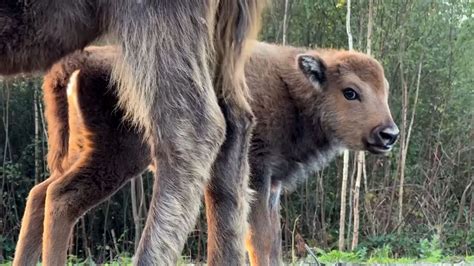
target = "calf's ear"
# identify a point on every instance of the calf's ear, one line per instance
(313, 68)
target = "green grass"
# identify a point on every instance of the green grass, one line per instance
(429, 252)
(330, 257)
(120, 261)
(380, 256)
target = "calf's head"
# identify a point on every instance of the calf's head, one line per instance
(352, 95)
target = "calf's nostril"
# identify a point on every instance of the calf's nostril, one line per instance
(388, 137)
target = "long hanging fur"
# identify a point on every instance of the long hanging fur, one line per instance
(224, 45)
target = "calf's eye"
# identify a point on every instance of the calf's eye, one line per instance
(350, 94)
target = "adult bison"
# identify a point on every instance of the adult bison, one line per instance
(180, 67)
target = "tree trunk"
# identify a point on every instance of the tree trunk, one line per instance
(462, 203)
(6, 148)
(413, 112)
(470, 215)
(285, 18)
(135, 211)
(355, 234)
(85, 246)
(471, 207)
(37, 140)
(351, 200)
(322, 210)
(143, 209)
(44, 138)
(342, 217)
(369, 27)
(6, 124)
(361, 154)
(348, 25)
(106, 217)
(402, 140)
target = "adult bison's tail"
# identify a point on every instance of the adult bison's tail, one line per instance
(227, 196)
(237, 24)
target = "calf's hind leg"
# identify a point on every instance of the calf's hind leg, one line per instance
(275, 228)
(111, 154)
(264, 237)
(28, 248)
(259, 235)
(88, 182)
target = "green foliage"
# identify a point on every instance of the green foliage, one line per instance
(75, 261)
(122, 260)
(427, 250)
(7, 244)
(430, 250)
(400, 244)
(381, 255)
(336, 256)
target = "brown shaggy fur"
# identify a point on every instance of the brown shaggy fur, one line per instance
(303, 121)
(180, 63)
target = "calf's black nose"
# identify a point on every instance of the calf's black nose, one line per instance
(387, 134)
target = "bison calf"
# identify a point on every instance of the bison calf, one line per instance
(309, 105)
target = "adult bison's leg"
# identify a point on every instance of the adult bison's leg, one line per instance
(190, 135)
(195, 49)
(181, 116)
(227, 194)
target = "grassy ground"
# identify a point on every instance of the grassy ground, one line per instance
(329, 258)
(383, 257)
